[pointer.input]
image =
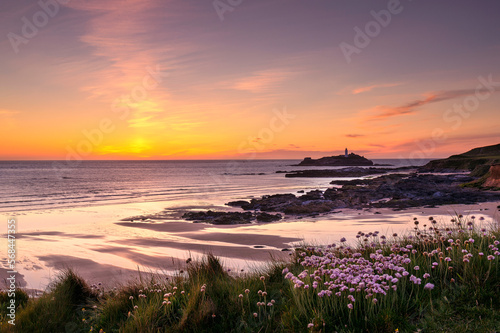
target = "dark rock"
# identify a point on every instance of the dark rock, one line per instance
(272, 203)
(219, 217)
(345, 172)
(266, 217)
(328, 173)
(238, 203)
(312, 195)
(310, 207)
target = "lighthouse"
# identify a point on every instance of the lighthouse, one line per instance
(346, 153)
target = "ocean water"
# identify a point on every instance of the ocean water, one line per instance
(37, 185)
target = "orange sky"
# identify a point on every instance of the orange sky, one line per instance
(171, 80)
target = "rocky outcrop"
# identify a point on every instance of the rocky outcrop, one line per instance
(344, 172)
(397, 191)
(494, 177)
(340, 160)
(230, 217)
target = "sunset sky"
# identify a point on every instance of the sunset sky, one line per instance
(203, 79)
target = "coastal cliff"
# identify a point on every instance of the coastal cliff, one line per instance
(477, 160)
(494, 177)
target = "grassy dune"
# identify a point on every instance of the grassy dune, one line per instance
(439, 277)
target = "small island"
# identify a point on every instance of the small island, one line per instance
(339, 160)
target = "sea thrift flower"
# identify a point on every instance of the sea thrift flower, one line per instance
(426, 275)
(350, 306)
(429, 286)
(416, 268)
(310, 325)
(255, 314)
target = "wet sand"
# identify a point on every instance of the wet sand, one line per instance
(101, 246)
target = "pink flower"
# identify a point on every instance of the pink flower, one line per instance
(429, 286)
(350, 306)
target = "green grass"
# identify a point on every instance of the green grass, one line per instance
(207, 298)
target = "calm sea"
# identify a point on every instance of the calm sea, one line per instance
(35, 185)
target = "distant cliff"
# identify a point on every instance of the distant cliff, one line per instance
(477, 160)
(340, 160)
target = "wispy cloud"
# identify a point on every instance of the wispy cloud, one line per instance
(360, 90)
(354, 135)
(8, 113)
(124, 42)
(384, 112)
(266, 81)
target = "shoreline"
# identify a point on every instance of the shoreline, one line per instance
(111, 249)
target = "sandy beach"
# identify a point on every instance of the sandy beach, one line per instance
(102, 247)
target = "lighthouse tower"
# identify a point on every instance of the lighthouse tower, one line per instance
(346, 153)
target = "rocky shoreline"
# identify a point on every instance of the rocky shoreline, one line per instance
(468, 178)
(344, 172)
(397, 191)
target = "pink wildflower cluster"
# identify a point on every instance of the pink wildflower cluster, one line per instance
(352, 274)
